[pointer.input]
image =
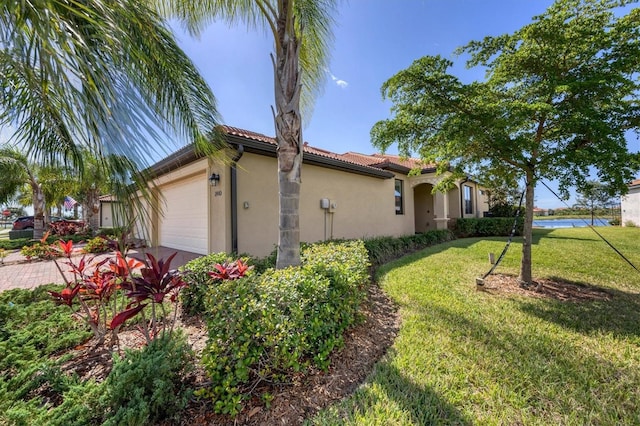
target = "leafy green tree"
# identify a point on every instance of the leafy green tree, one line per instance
(18, 171)
(102, 75)
(301, 30)
(56, 183)
(558, 97)
(593, 196)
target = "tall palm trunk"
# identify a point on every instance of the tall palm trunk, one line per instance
(38, 210)
(288, 124)
(525, 265)
(90, 209)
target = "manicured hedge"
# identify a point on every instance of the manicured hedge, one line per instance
(486, 227)
(21, 242)
(196, 274)
(22, 234)
(384, 249)
(264, 327)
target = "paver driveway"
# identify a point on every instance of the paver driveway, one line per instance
(16, 273)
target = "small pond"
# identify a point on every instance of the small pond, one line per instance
(569, 223)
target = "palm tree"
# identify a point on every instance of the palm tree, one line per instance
(18, 171)
(100, 75)
(301, 31)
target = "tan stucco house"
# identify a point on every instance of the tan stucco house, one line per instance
(630, 205)
(210, 207)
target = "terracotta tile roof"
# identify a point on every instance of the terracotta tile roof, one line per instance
(378, 161)
(249, 135)
(385, 160)
(635, 182)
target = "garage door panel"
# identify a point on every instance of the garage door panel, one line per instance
(183, 225)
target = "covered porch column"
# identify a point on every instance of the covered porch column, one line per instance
(442, 209)
(438, 205)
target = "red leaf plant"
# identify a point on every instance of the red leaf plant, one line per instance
(96, 284)
(156, 282)
(121, 317)
(230, 270)
(66, 295)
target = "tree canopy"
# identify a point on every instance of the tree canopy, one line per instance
(558, 98)
(103, 76)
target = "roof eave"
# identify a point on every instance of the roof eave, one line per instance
(188, 155)
(263, 148)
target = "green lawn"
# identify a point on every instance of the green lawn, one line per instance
(469, 357)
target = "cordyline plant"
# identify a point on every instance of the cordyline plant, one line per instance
(230, 270)
(109, 294)
(157, 281)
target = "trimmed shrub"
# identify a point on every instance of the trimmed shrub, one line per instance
(486, 227)
(148, 385)
(262, 264)
(21, 234)
(109, 232)
(14, 244)
(264, 327)
(100, 244)
(196, 275)
(384, 249)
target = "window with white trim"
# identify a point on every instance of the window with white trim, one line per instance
(399, 195)
(468, 199)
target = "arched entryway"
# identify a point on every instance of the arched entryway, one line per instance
(424, 207)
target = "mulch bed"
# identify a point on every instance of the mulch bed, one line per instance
(308, 393)
(544, 288)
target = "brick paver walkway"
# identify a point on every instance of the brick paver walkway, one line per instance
(17, 273)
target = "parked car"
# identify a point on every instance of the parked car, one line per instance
(26, 222)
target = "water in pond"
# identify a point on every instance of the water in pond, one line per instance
(569, 223)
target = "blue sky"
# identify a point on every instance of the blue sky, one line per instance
(374, 39)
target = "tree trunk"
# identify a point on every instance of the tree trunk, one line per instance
(38, 211)
(527, 233)
(288, 124)
(90, 209)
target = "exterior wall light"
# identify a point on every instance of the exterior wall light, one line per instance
(214, 179)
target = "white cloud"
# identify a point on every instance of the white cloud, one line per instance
(340, 83)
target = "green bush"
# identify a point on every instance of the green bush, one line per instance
(34, 327)
(28, 242)
(14, 244)
(147, 385)
(41, 251)
(486, 227)
(32, 330)
(99, 244)
(262, 264)
(264, 327)
(384, 249)
(109, 232)
(21, 234)
(196, 275)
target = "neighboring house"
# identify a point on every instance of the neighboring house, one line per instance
(537, 211)
(107, 211)
(630, 205)
(209, 207)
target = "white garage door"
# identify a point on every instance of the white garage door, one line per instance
(184, 223)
